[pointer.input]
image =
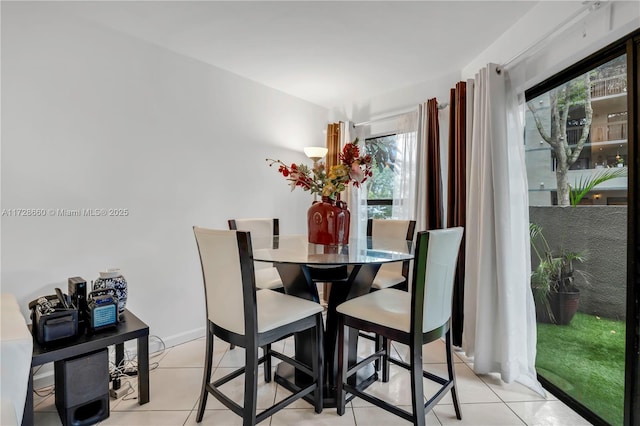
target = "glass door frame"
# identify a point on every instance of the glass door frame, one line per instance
(629, 45)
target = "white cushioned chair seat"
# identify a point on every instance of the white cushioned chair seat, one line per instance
(388, 307)
(267, 278)
(277, 309)
(387, 278)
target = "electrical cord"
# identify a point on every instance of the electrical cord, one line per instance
(128, 368)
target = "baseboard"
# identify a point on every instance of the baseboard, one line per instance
(44, 376)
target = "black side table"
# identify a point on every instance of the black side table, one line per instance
(131, 328)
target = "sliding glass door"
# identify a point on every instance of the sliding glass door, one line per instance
(580, 144)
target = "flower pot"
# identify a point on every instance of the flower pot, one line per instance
(328, 222)
(563, 306)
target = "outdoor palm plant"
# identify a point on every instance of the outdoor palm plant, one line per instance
(553, 275)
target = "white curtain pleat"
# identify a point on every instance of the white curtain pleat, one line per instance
(406, 168)
(356, 198)
(499, 316)
(421, 175)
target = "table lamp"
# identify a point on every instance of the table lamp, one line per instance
(315, 153)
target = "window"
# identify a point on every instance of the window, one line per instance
(380, 187)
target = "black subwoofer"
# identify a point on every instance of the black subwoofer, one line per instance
(82, 388)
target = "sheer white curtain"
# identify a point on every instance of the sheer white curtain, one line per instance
(406, 177)
(405, 185)
(356, 198)
(499, 315)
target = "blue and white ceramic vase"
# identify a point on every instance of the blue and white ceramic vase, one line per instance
(112, 278)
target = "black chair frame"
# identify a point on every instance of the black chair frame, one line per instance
(251, 341)
(415, 341)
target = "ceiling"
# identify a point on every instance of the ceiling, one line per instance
(326, 52)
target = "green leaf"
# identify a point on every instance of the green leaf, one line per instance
(586, 184)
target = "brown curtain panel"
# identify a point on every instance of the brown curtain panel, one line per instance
(456, 196)
(333, 146)
(434, 183)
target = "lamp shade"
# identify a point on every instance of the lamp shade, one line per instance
(315, 152)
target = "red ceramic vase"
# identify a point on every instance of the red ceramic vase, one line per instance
(328, 222)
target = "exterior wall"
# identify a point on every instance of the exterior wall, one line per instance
(600, 233)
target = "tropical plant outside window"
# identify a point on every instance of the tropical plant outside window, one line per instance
(383, 151)
(576, 155)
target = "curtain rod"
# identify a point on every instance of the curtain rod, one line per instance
(587, 6)
(396, 115)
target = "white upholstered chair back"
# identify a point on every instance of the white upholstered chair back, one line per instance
(441, 262)
(396, 233)
(262, 232)
(220, 259)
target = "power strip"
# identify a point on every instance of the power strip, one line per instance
(116, 394)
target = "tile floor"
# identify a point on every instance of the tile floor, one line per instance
(175, 386)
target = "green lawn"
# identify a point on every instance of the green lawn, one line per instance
(586, 360)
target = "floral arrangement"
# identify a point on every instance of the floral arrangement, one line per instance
(353, 169)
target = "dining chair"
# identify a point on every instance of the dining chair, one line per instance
(262, 230)
(391, 274)
(243, 316)
(413, 318)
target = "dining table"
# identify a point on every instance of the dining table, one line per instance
(350, 268)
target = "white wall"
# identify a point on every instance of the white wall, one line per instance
(96, 119)
(581, 37)
(585, 35)
(359, 110)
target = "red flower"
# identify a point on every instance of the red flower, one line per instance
(329, 182)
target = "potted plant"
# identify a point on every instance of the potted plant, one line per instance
(552, 282)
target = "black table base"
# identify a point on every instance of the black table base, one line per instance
(347, 282)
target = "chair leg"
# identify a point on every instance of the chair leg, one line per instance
(267, 363)
(317, 363)
(342, 371)
(250, 386)
(386, 344)
(378, 346)
(206, 375)
(417, 390)
(452, 375)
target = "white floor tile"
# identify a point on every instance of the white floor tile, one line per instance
(307, 416)
(191, 354)
(433, 352)
(217, 418)
(174, 389)
(46, 418)
(511, 392)
(373, 416)
(495, 414)
(471, 389)
(235, 390)
(547, 413)
(146, 418)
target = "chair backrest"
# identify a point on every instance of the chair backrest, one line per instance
(397, 230)
(435, 261)
(259, 227)
(262, 232)
(229, 278)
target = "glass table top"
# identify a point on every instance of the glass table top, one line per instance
(296, 249)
